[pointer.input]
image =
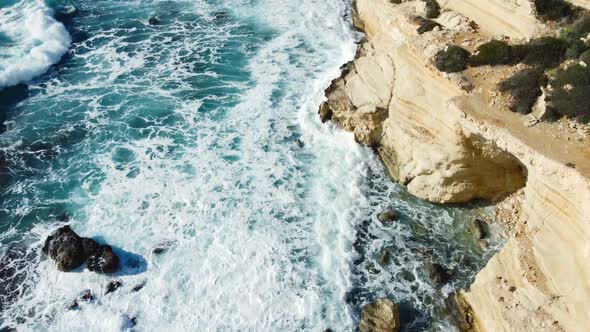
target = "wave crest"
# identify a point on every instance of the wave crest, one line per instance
(37, 42)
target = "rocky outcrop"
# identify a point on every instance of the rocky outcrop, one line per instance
(70, 251)
(449, 138)
(380, 316)
(388, 99)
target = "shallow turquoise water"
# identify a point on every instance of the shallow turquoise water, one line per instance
(201, 131)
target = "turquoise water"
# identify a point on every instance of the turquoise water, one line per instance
(201, 132)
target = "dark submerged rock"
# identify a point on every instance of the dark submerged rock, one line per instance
(104, 261)
(438, 273)
(478, 228)
(380, 316)
(43, 150)
(525, 89)
(452, 59)
(153, 21)
(113, 286)
(65, 247)
(385, 258)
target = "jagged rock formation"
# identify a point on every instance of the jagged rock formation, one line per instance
(450, 138)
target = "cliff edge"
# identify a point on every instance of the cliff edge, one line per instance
(454, 125)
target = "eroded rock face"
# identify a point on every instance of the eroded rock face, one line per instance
(380, 316)
(358, 100)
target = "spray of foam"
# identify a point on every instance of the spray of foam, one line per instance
(39, 41)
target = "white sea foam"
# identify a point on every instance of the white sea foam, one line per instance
(37, 41)
(262, 229)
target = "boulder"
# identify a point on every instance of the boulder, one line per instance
(380, 316)
(153, 21)
(65, 247)
(70, 251)
(386, 216)
(104, 261)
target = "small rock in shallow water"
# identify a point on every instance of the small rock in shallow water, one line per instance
(438, 273)
(386, 216)
(478, 228)
(86, 295)
(380, 316)
(73, 305)
(153, 21)
(138, 287)
(385, 258)
(105, 261)
(162, 247)
(113, 286)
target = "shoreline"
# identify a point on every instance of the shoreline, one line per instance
(445, 139)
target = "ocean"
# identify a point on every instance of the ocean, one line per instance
(199, 133)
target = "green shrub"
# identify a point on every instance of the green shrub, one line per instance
(525, 88)
(555, 9)
(585, 57)
(397, 2)
(432, 8)
(545, 52)
(452, 59)
(494, 52)
(570, 92)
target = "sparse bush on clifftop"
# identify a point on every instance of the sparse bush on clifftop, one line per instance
(568, 92)
(525, 89)
(496, 52)
(432, 8)
(452, 59)
(555, 9)
(545, 52)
